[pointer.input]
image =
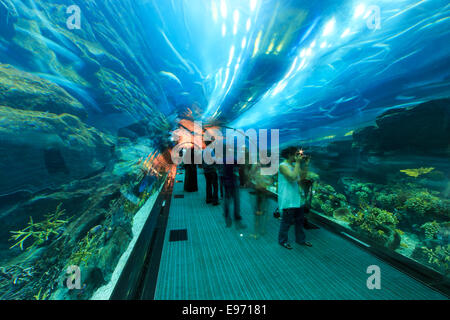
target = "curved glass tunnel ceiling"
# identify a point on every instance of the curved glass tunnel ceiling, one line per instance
(309, 68)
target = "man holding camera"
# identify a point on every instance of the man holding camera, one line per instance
(291, 200)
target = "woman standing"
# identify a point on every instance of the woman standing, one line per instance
(190, 177)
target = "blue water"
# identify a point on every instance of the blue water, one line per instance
(320, 83)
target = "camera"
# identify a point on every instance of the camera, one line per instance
(302, 154)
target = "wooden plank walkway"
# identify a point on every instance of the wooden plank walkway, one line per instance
(226, 264)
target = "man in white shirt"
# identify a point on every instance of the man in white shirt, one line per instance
(290, 199)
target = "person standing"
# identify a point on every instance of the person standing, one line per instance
(212, 181)
(290, 199)
(190, 177)
(231, 186)
(260, 184)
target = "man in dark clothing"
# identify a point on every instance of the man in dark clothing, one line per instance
(190, 178)
(231, 185)
(212, 182)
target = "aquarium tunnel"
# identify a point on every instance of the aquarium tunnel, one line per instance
(109, 109)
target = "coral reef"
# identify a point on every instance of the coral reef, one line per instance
(423, 203)
(44, 150)
(379, 225)
(439, 257)
(387, 200)
(360, 192)
(24, 91)
(327, 200)
(431, 229)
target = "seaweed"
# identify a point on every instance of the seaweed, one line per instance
(440, 257)
(40, 232)
(38, 296)
(87, 247)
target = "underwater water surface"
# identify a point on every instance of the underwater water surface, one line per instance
(91, 91)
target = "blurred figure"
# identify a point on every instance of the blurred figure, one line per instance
(220, 174)
(261, 183)
(231, 186)
(219, 169)
(245, 170)
(190, 177)
(291, 201)
(212, 181)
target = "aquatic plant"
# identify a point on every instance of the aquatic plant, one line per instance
(327, 208)
(372, 217)
(327, 200)
(431, 229)
(423, 203)
(361, 191)
(40, 232)
(130, 208)
(86, 248)
(38, 296)
(439, 256)
(388, 200)
(417, 172)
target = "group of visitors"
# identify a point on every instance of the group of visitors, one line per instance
(294, 192)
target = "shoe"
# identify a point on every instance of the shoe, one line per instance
(240, 225)
(228, 222)
(306, 243)
(215, 203)
(286, 245)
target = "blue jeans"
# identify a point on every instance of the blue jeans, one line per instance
(292, 216)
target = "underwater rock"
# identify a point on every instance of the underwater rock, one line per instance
(40, 150)
(22, 90)
(135, 130)
(8, 16)
(342, 213)
(424, 128)
(102, 65)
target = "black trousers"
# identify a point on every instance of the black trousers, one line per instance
(190, 178)
(212, 187)
(232, 195)
(292, 216)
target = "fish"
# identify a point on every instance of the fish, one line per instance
(170, 75)
(417, 172)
